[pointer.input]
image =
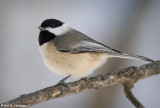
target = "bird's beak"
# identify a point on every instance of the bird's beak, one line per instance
(42, 29)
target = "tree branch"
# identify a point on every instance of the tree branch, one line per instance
(132, 98)
(127, 77)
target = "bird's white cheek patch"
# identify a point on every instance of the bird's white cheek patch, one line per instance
(59, 30)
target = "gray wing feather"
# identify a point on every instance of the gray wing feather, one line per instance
(76, 42)
(90, 46)
(86, 46)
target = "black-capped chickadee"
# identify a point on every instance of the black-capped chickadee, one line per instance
(69, 52)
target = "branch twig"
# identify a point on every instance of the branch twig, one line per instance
(127, 77)
(132, 98)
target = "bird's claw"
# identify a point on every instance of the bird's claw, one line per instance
(61, 82)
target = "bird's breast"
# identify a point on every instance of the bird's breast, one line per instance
(76, 65)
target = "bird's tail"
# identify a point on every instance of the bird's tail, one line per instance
(131, 56)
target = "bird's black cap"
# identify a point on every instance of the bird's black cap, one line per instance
(51, 23)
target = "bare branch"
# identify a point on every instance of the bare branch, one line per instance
(131, 97)
(127, 77)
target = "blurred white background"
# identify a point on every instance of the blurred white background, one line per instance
(131, 26)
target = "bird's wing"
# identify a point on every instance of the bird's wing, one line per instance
(82, 43)
(93, 46)
(76, 42)
(88, 46)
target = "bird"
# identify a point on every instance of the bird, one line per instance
(70, 53)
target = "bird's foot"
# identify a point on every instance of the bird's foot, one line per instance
(61, 82)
